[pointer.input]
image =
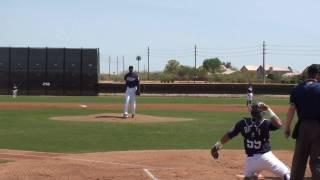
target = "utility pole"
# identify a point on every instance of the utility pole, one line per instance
(195, 63)
(148, 61)
(263, 61)
(195, 57)
(123, 65)
(117, 66)
(109, 65)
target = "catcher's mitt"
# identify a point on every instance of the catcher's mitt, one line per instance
(214, 152)
(215, 149)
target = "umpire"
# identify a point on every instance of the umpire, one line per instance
(305, 100)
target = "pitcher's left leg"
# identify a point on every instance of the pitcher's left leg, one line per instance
(134, 105)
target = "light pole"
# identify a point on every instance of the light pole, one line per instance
(138, 58)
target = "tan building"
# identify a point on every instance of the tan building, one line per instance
(269, 69)
(249, 68)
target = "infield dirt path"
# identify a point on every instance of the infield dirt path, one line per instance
(135, 165)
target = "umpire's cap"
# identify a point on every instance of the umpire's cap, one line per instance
(313, 69)
(256, 112)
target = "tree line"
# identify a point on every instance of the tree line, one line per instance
(210, 71)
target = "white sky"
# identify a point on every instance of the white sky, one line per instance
(232, 30)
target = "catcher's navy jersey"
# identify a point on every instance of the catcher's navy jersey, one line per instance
(255, 135)
(132, 79)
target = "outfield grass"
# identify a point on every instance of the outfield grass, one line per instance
(4, 161)
(32, 129)
(142, 100)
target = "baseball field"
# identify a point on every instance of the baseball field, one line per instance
(86, 138)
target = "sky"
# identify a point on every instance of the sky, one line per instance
(231, 30)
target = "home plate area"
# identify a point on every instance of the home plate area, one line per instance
(151, 164)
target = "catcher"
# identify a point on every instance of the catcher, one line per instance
(256, 132)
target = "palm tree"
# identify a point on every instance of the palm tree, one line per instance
(138, 58)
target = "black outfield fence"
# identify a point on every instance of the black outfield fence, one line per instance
(276, 89)
(49, 71)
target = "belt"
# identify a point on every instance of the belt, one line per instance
(251, 155)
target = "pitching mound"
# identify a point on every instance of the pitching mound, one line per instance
(112, 117)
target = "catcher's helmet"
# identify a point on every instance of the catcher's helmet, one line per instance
(313, 70)
(256, 111)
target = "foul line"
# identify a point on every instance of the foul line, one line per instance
(150, 174)
(87, 160)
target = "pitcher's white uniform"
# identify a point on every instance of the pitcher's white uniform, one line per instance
(14, 91)
(132, 86)
(249, 95)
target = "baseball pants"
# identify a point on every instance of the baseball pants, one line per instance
(14, 93)
(267, 161)
(249, 98)
(307, 145)
(130, 99)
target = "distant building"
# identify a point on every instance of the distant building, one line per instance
(224, 70)
(249, 68)
(228, 71)
(269, 69)
(290, 74)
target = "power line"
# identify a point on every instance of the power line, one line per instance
(229, 49)
(295, 54)
(295, 50)
(197, 52)
(294, 45)
(173, 56)
(171, 50)
(224, 56)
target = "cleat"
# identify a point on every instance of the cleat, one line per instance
(125, 116)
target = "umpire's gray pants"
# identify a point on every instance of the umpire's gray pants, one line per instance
(307, 144)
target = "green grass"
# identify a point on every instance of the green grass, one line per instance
(2, 161)
(32, 129)
(142, 100)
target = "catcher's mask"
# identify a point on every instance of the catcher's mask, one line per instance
(256, 112)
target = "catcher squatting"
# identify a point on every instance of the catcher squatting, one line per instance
(256, 134)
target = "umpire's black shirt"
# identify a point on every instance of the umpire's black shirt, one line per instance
(306, 98)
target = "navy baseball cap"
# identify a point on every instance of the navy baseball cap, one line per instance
(314, 69)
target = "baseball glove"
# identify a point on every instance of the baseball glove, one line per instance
(138, 93)
(214, 150)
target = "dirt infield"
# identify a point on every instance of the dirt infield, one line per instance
(136, 165)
